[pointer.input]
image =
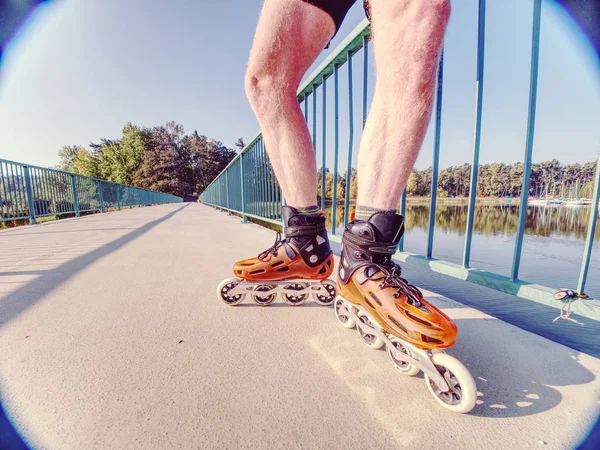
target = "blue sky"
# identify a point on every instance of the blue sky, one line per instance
(78, 71)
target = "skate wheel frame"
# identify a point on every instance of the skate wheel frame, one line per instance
(233, 291)
(448, 380)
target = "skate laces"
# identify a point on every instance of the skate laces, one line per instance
(394, 279)
(273, 249)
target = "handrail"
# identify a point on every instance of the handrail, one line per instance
(28, 192)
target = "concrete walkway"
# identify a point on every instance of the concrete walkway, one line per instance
(111, 337)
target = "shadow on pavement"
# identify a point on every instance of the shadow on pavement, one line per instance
(18, 301)
(22, 298)
(515, 379)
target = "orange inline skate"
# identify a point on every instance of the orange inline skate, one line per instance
(387, 310)
(297, 266)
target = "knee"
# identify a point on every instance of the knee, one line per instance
(265, 89)
(254, 83)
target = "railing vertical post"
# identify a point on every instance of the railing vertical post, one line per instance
(53, 190)
(29, 195)
(403, 214)
(336, 149)
(75, 199)
(262, 177)
(436, 155)
(324, 149)
(306, 107)
(118, 186)
(244, 218)
(365, 79)
(535, 52)
(14, 191)
(6, 194)
(314, 108)
(273, 193)
(589, 242)
(266, 180)
(265, 175)
(477, 139)
(227, 190)
(100, 194)
(350, 141)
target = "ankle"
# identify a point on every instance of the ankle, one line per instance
(363, 213)
(310, 211)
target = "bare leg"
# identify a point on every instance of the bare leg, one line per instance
(289, 37)
(407, 38)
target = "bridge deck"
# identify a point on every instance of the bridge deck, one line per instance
(111, 337)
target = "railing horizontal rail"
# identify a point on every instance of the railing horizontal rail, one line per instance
(30, 192)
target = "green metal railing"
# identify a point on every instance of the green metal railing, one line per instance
(30, 192)
(248, 185)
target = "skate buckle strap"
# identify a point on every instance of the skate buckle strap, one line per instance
(303, 230)
(368, 246)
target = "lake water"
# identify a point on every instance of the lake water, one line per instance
(552, 249)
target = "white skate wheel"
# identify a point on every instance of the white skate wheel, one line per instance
(326, 300)
(264, 299)
(295, 300)
(223, 291)
(462, 395)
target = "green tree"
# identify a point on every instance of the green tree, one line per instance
(79, 160)
(240, 144)
(160, 168)
(207, 159)
(515, 175)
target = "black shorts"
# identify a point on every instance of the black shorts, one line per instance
(337, 9)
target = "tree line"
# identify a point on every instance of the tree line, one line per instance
(162, 158)
(165, 159)
(548, 179)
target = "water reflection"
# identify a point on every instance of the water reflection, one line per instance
(492, 220)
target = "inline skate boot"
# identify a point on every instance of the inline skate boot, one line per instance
(297, 266)
(388, 311)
